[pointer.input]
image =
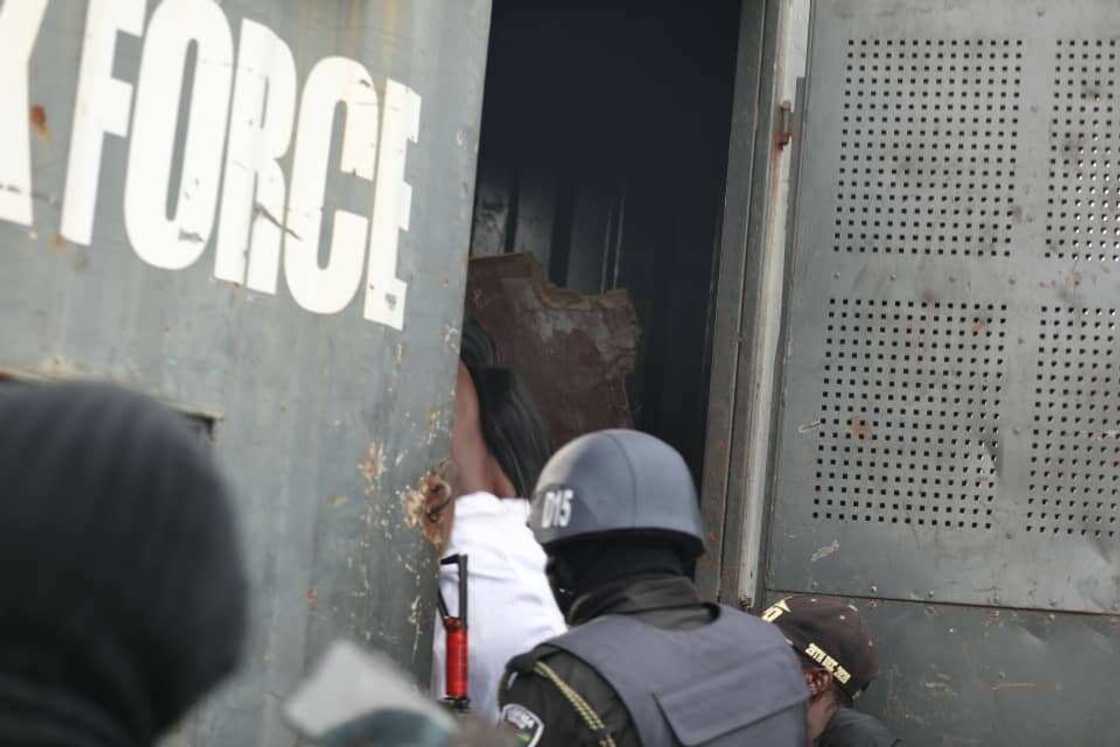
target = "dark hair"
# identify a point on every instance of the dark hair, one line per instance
(512, 427)
(477, 350)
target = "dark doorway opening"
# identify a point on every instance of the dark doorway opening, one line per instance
(603, 153)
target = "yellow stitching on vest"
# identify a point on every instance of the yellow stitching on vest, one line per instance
(585, 711)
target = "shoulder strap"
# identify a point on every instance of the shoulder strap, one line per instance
(530, 663)
(582, 707)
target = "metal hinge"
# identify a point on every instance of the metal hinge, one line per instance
(784, 132)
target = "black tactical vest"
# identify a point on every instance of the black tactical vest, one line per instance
(733, 682)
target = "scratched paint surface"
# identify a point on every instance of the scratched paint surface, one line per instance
(946, 447)
(957, 676)
(306, 307)
(949, 398)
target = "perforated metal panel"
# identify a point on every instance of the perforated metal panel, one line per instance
(1082, 208)
(950, 424)
(926, 166)
(1075, 429)
(910, 413)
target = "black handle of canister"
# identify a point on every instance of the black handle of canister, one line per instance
(461, 562)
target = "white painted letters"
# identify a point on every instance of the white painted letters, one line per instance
(102, 107)
(175, 242)
(176, 197)
(260, 131)
(19, 27)
(557, 508)
(327, 290)
(392, 205)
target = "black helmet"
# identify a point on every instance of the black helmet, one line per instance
(616, 482)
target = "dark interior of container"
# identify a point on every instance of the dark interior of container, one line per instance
(604, 153)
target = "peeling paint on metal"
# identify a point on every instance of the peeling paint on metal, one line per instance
(807, 427)
(449, 334)
(417, 622)
(372, 466)
(431, 489)
(39, 126)
(825, 551)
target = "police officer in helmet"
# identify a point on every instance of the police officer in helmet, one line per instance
(647, 662)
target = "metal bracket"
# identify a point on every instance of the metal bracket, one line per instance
(783, 133)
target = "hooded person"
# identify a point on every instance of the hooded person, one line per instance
(123, 599)
(498, 445)
(647, 661)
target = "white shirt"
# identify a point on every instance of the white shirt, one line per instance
(510, 604)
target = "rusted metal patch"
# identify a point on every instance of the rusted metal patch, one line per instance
(428, 505)
(38, 117)
(574, 351)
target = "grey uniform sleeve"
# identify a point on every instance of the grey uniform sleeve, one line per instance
(853, 728)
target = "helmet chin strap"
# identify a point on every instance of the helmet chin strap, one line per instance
(580, 567)
(562, 581)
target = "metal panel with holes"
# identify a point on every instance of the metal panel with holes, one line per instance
(958, 676)
(950, 426)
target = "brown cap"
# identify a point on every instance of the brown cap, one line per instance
(831, 634)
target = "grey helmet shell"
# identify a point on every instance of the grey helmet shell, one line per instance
(617, 482)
